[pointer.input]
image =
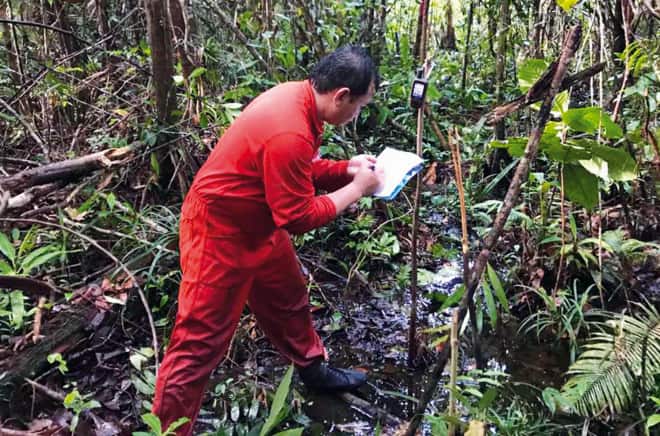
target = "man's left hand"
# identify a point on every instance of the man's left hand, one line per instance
(359, 161)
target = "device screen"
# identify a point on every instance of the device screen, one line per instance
(418, 90)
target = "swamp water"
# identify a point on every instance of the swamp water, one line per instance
(374, 339)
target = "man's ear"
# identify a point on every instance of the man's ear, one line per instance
(341, 94)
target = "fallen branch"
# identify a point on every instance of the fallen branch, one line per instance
(383, 415)
(569, 47)
(28, 197)
(32, 286)
(539, 91)
(65, 170)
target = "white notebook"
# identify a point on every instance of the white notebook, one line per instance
(399, 167)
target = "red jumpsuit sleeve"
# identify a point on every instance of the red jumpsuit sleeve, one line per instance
(330, 175)
(290, 194)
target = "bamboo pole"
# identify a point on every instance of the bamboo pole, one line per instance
(412, 327)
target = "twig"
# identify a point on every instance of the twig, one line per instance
(38, 316)
(28, 127)
(46, 390)
(533, 95)
(41, 25)
(119, 263)
(239, 34)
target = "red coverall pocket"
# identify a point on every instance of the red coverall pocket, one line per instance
(192, 235)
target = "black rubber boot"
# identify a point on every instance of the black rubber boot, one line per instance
(322, 377)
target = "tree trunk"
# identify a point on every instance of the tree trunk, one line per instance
(423, 12)
(162, 58)
(500, 62)
(102, 25)
(466, 56)
(449, 38)
(68, 42)
(535, 29)
(181, 31)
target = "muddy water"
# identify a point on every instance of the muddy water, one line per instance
(373, 337)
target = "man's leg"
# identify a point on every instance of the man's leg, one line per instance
(205, 322)
(280, 303)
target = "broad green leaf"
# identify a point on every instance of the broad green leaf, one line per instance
(7, 248)
(621, 166)
(497, 287)
(515, 146)
(597, 166)
(5, 268)
(278, 403)
(487, 399)
(530, 71)
(589, 119)
(653, 420)
(566, 153)
(153, 422)
(560, 103)
(490, 304)
(453, 298)
(432, 92)
(581, 186)
(38, 257)
(17, 303)
(566, 5)
(71, 398)
(197, 72)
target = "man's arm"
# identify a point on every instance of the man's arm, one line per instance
(290, 194)
(330, 175)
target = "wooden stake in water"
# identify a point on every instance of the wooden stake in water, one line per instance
(453, 369)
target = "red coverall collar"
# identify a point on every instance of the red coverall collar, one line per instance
(317, 124)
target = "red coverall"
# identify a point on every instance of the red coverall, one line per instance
(257, 186)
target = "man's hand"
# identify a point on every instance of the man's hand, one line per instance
(360, 161)
(366, 180)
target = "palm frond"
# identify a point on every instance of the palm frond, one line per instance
(618, 363)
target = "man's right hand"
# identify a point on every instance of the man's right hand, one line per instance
(368, 179)
(365, 182)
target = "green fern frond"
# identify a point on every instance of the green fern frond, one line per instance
(618, 363)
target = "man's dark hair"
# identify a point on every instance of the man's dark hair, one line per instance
(349, 66)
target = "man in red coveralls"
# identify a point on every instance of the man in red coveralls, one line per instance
(256, 188)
